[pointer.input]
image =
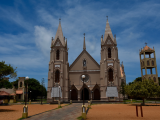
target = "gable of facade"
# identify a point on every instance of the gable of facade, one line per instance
(91, 64)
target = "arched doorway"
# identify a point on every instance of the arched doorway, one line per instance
(96, 94)
(74, 95)
(86, 94)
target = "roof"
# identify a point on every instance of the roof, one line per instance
(7, 90)
(4, 93)
(59, 35)
(108, 32)
(84, 51)
(112, 92)
(147, 48)
(19, 91)
(13, 94)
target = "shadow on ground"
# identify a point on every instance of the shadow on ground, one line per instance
(6, 110)
(142, 105)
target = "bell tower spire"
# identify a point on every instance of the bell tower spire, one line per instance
(84, 44)
(108, 31)
(59, 34)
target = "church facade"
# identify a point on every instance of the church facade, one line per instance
(102, 80)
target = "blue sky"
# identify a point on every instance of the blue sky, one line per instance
(26, 28)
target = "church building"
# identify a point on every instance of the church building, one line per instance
(102, 80)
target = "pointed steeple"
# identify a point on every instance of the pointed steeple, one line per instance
(59, 34)
(84, 44)
(108, 31)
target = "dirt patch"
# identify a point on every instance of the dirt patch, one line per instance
(14, 112)
(122, 112)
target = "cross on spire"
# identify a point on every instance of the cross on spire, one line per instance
(59, 20)
(84, 44)
(107, 17)
(146, 43)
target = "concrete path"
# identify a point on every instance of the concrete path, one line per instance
(70, 112)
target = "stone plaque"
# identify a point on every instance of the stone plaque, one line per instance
(109, 60)
(57, 66)
(110, 64)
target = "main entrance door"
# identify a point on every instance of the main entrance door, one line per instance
(86, 94)
(74, 95)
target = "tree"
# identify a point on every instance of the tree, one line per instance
(144, 89)
(6, 71)
(122, 90)
(34, 86)
(138, 79)
(5, 84)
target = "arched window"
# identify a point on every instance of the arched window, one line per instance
(20, 84)
(143, 63)
(152, 63)
(147, 62)
(84, 63)
(57, 55)
(154, 79)
(110, 74)
(149, 78)
(57, 75)
(109, 52)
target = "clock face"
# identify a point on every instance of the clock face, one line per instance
(86, 79)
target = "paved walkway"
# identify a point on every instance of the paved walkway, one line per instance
(70, 112)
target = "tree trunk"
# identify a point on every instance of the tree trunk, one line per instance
(143, 102)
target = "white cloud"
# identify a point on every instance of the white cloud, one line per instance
(43, 39)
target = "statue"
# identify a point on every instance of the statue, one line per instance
(84, 62)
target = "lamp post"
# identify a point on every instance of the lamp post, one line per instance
(70, 97)
(89, 102)
(25, 107)
(59, 103)
(70, 94)
(88, 87)
(83, 106)
(59, 92)
(30, 98)
(83, 77)
(26, 90)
